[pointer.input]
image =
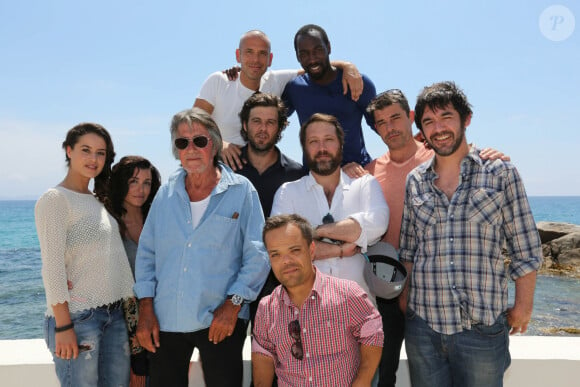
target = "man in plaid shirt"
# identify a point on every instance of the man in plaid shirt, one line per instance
(459, 213)
(314, 329)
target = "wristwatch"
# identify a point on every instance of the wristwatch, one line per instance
(236, 299)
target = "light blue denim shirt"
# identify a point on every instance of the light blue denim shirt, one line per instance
(190, 272)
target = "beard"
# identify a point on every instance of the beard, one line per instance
(449, 150)
(326, 167)
(263, 147)
(325, 67)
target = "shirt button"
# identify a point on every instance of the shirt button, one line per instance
(313, 297)
(454, 287)
(189, 245)
(310, 378)
(295, 312)
(185, 269)
(451, 216)
(307, 354)
(451, 240)
(452, 262)
(304, 330)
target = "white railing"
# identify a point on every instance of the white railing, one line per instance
(537, 361)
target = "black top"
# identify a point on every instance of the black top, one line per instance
(282, 171)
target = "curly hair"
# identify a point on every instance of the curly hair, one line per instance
(264, 100)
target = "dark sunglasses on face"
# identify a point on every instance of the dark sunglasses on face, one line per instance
(198, 141)
(294, 330)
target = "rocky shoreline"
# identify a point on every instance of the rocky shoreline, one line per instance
(561, 248)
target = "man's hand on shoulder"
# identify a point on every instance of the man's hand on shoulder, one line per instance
(231, 155)
(352, 79)
(232, 72)
(354, 170)
(492, 154)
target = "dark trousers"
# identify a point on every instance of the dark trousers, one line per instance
(221, 363)
(394, 328)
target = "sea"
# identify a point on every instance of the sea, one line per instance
(22, 302)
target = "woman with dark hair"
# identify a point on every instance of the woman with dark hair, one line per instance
(134, 183)
(85, 270)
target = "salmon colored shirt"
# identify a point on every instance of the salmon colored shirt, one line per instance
(392, 177)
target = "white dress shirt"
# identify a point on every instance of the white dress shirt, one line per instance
(359, 199)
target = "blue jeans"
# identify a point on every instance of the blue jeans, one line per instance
(477, 357)
(104, 359)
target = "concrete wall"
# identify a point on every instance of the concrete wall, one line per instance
(536, 361)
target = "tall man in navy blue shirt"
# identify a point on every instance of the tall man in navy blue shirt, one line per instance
(263, 118)
(319, 90)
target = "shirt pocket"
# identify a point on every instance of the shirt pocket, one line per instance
(424, 211)
(327, 337)
(485, 206)
(222, 234)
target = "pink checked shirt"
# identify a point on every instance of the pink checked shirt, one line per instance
(335, 320)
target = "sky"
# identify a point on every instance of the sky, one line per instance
(131, 65)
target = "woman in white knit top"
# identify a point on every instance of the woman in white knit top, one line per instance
(85, 270)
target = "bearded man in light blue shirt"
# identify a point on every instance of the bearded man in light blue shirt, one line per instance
(200, 261)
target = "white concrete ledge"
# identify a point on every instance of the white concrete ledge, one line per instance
(537, 361)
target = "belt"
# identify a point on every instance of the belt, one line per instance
(112, 306)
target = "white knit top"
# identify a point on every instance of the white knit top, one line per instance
(80, 242)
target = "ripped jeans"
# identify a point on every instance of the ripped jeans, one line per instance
(104, 355)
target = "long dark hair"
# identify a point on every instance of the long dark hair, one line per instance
(101, 187)
(119, 187)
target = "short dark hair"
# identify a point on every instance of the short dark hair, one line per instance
(438, 96)
(120, 175)
(278, 221)
(305, 30)
(321, 117)
(264, 100)
(388, 98)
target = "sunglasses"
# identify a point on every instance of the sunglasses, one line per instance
(296, 350)
(199, 141)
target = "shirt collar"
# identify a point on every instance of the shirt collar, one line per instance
(344, 181)
(228, 177)
(315, 292)
(281, 160)
(472, 156)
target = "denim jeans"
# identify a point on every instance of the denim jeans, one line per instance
(476, 357)
(106, 359)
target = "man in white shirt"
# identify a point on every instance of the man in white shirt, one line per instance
(223, 99)
(351, 214)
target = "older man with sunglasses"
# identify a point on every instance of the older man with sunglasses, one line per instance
(334, 333)
(200, 261)
(351, 213)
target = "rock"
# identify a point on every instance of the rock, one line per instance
(552, 230)
(570, 257)
(560, 247)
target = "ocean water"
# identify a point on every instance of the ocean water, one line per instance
(22, 302)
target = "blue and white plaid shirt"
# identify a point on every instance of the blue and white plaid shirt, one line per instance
(459, 277)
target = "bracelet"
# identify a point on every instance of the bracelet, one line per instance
(340, 251)
(64, 328)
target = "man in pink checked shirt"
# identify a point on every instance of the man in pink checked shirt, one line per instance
(314, 329)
